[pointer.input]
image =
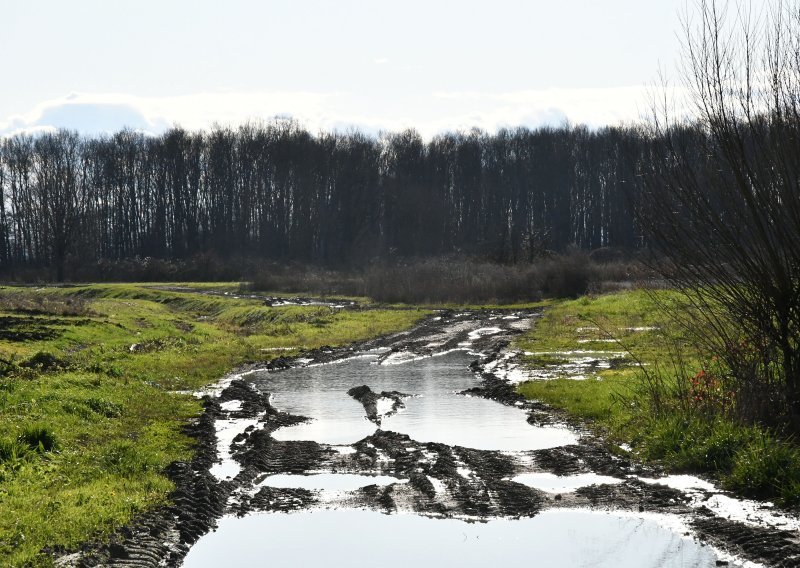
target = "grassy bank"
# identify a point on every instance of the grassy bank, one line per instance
(681, 430)
(90, 403)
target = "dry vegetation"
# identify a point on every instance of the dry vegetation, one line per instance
(459, 280)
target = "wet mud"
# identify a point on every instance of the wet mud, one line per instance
(392, 401)
(266, 299)
(433, 479)
(768, 546)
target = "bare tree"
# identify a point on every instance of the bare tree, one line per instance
(275, 191)
(59, 195)
(724, 198)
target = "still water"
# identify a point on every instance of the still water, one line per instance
(434, 411)
(356, 538)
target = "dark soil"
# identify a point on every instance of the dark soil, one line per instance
(771, 547)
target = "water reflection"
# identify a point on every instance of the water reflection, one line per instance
(552, 483)
(327, 481)
(356, 538)
(434, 413)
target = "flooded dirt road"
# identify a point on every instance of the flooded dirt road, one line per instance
(415, 448)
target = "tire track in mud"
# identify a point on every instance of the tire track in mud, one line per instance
(442, 480)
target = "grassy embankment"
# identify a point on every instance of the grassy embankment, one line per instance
(683, 431)
(88, 422)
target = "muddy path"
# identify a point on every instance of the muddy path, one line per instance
(425, 422)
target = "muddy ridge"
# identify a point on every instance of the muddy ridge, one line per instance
(393, 402)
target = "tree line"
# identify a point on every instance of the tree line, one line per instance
(275, 191)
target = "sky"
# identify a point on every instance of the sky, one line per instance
(100, 65)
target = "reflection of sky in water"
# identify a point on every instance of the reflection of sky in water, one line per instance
(552, 483)
(356, 538)
(436, 414)
(327, 481)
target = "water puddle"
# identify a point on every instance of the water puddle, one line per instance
(327, 481)
(434, 412)
(578, 365)
(705, 494)
(480, 332)
(682, 483)
(474, 423)
(551, 483)
(231, 406)
(227, 430)
(414, 389)
(355, 538)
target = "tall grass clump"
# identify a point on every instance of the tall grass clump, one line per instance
(39, 438)
(691, 419)
(12, 450)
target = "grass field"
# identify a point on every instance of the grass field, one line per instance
(91, 403)
(619, 403)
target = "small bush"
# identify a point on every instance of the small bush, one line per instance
(39, 438)
(721, 446)
(687, 442)
(749, 460)
(765, 468)
(45, 361)
(454, 279)
(567, 276)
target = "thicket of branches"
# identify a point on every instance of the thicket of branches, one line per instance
(457, 279)
(723, 202)
(276, 192)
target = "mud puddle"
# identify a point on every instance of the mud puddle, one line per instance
(579, 365)
(432, 409)
(551, 483)
(356, 538)
(268, 300)
(327, 481)
(382, 452)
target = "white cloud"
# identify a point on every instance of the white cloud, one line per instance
(429, 113)
(594, 107)
(107, 113)
(94, 114)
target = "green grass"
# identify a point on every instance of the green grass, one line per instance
(619, 406)
(90, 405)
(593, 400)
(588, 322)
(621, 322)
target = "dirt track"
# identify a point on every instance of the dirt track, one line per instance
(437, 484)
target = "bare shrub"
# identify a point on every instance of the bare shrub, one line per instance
(452, 279)
(723, 200)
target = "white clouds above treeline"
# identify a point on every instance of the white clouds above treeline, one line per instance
(430, 114)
